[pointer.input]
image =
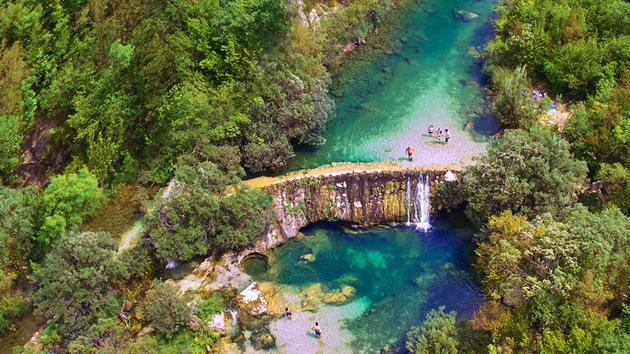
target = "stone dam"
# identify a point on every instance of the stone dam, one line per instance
(361, 197)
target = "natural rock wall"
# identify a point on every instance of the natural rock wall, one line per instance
(363, 198)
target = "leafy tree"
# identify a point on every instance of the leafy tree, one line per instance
(12, 303)
(75, 282)
(437, 334)
(107, 335)
(165, 308)
(557, 276)
(10, 143)
(17, 218)
(242, 217)
(599, 130)
(67, 201)
(513, 103)
(193, 215)
(576, 67)
(527, 172)
(616, 181)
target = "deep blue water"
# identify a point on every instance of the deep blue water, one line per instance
(404, 273)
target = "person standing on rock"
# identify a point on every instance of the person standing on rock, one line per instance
(317, 330)
(287, 313)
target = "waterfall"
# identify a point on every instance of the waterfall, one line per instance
(408, 201)
(171, 263)
(421, 203)
(423, 200)
(234, 313)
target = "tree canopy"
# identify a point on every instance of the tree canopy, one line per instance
(529, 172)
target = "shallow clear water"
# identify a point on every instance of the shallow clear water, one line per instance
(386, 98)
(400, 274)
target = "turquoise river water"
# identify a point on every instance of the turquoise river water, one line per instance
(386, 98)
(399, 274)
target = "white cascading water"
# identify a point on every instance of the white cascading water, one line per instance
(408, 201)
(234, 313)
(421, 203)
(171, 263)
(423, 199)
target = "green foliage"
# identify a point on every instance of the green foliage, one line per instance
(573, 45)
(107, 335)
(513, 103)
(527, 172)
(165, 308)
(10, 142)
(12, 303)
(210, 306)
(184, 341)
(17, 218)
(558, 275)
(75, 282)
(67, 201)
(194, 215)
(437, 334)
(599, 130)
(616, 181)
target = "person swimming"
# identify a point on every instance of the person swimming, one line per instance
(317, 330)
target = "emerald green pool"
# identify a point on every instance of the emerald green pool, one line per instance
(399, 274)
(386, 98)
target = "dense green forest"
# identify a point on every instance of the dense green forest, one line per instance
(96, 94)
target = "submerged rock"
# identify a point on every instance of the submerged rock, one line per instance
(263, 340)
(308, 258)
(465, 16)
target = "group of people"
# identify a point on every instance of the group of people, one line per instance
(315, 328)
(443, 136)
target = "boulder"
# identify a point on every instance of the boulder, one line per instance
(348, 291)
(348, 279)
(341, 296)
(263, 340)
(312, 297)
(308, 258)
(217, 323)
(252, 300)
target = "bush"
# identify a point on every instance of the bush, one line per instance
(67, 201)
(165, 309)
(513, 103)
(197, 217)
(528, 172)
(437, 334)
(75, 282)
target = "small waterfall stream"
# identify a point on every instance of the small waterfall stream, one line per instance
(234, 313)
(408, 200)
(421, 203)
